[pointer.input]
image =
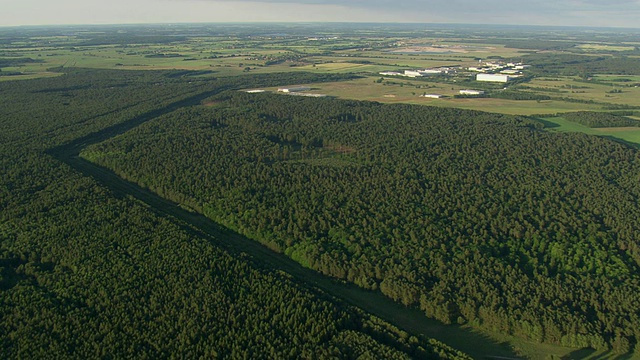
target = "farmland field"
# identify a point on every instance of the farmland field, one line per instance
(330, 52)
(409, 91)
(627, 134)
(604, 47)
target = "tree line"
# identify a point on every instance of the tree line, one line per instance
(594, 119)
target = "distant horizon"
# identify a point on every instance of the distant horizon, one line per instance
(301, 23)
(568, 13)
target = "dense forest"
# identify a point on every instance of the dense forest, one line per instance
(581, 65)
(85, 273)
(595, 119)
(472, 217)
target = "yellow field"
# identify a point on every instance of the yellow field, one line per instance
(602, 47)
(581, 90)
(28, 76)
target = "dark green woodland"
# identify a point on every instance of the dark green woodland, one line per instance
(154, 214)
(472, 217)
(600, 119)
(89, 273)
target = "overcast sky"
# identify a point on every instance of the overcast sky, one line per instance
(614, 13)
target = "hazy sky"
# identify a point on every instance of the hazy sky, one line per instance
(622, 13)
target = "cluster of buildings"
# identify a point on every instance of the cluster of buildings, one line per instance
(471, 92)
(498, 71)
(487, 71)
(299, 91)
(418, 73)
(503, 78)
(322, 38)
(492, 67)
(293, 90)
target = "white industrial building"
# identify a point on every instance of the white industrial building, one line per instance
(471, 92)
(390, 73)
(430, 72)
(493, 77)
(432, 96)
(497, 66)
(307, 94)
(420, 73)
(413, 73)
(294, 89)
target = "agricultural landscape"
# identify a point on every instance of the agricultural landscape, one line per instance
(319, 191)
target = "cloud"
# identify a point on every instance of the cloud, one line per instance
(461, 4)
(539, 12)
(451, 8)
(536, 12)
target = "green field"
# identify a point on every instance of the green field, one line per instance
(232, 55)
(29, 76)
(403, 90)
(596, 91)
(617, 78)
(625, 134)
(237, 55)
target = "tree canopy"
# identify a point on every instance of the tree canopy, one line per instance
(85, 273)
(472, 217)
